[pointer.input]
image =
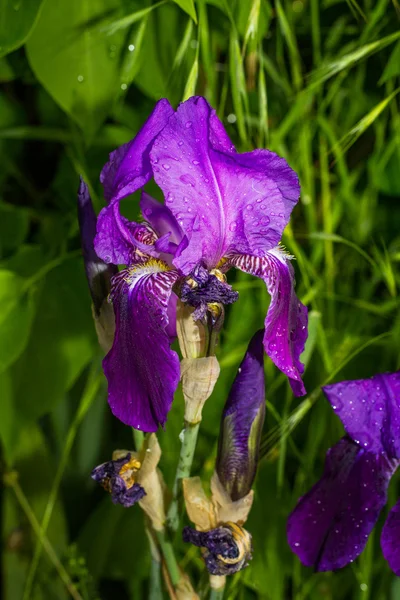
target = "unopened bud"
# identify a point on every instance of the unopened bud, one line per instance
(242, 422)
(98, 273)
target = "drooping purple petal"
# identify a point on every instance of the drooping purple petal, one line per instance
(242, 422)
(98, 273)
(330, 525)
(370, 411)
(128, 170)
(286, 321)
(225, 202)
(116, 476)
(390, 539)
(227, 549)
(141, 368)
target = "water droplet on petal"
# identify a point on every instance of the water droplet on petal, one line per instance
(188, 124)
(195, 162)
(233, 226)
(166, 167)
(249, 207)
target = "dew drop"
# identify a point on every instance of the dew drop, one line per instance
(195, 162)
(188, 124)
(180, 143)
(166, 167)
(80, 78)
(131, 47)
(249, 207)
(124, 86)
(233, 226)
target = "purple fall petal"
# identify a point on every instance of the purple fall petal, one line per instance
(242, 422)
(390, 539)
(224, 201)
(330, 525)
(370, 411)
(286, 321)
(98, 273)
(128, 170)
(141, 368)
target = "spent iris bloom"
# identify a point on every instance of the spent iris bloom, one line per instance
(330, 525)
(227, 548)
(117, 476)
(222, 209)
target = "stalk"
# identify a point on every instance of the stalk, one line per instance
(11, 479)
(189, 440)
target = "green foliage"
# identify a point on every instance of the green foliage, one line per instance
(316, 82)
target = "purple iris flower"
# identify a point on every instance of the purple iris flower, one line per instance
(330, 525)
(222, 209)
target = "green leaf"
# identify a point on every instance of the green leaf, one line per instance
(17, 19)
(188, 7)
(6, 71)
(392, 68)
(17, 311)
(14, 223)
(75, 61)
(61, 343)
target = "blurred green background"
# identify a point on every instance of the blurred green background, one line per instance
(315, 81)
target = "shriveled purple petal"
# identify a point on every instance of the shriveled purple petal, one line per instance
(390, 539)
(116, 477)
(330, 525)
(128, 170)
(203, 288)
(98, 273)
(228, 548)
(225, 202)
(242, 422)
(370, 411)
(141, 368)
(286, 321)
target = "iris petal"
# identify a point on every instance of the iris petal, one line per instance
(286, 321)
(390, 539)
(330, 525)
(370, 411)
(141, 368)
(128, 170)
(224, 201)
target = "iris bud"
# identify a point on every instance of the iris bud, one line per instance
(242, 422)
(98, 272)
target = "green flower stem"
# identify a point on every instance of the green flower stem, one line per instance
(92, 387)
(217, 594)
(189, 439)
(155, 581)
(11, 480)
(169, 557)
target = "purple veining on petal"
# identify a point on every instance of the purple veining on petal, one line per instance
(98, 273)
(142, 370)
(160, 218)
(330, 525)
(370, 411)
(224, 201)
(286, 321)
(242, 422)
(390, 539)
(114, 477)
(221, 554)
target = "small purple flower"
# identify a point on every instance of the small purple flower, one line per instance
(242, 422)
(222, 209)
(330, 525)
(227, 549)
(118, 478)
